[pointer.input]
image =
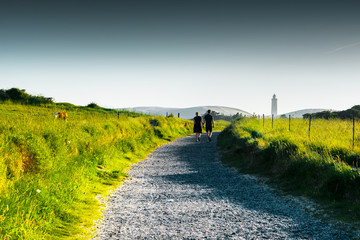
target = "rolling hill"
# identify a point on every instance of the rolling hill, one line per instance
(188, 113)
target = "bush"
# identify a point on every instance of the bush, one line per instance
(93, 105)
(20, 96)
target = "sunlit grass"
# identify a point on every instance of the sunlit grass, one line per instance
(327, 137)
(322, 163)
(51, 170)
(220, 125)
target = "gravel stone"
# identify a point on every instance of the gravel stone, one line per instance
(182, 191)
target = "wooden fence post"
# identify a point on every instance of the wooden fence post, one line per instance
(263, 120)
(289, 122)
(309, 125)
(272, 121)
(353, 145)
(178, 115)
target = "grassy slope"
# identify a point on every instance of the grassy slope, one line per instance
(51, 170)
(318, 168)
(220, 125)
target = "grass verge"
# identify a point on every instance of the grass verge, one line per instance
(292, 164)
(52, 170)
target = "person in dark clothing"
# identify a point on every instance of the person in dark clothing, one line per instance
(197, 126)
(209, 123)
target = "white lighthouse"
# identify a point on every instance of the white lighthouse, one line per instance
(274, 105)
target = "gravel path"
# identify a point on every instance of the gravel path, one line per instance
(182, 191)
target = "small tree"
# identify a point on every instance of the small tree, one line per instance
(17, 95)
(93, 105)
(3, 95)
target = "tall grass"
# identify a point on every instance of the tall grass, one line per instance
(220, 125)
(326, 137)
(322, 165)
(52, 170)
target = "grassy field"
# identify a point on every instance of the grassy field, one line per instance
(322, 164)
(220, 125)
(52, 170)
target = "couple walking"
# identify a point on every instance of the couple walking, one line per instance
(208, 121)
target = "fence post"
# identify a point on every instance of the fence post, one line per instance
(309, 125)
(353, 132)
(178, 115)
(272, 121)
(263, 120)
(289, 122)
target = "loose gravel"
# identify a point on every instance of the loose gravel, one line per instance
(182, 191)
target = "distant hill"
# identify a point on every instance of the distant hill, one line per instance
(300, 113)
(188, 113)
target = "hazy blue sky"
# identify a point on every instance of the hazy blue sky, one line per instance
(184, 53)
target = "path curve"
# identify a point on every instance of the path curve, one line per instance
(182, 191)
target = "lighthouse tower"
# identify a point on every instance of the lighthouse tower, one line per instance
(274, 105)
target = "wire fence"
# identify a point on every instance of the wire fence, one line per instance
(316, 129)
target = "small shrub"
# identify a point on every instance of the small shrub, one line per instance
(93, 105)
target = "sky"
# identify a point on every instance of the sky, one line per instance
(184, 53)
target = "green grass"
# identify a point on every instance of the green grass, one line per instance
(322, 166)
(220, 125)
(51, 171)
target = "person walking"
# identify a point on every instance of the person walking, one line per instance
(209, 124)
(197, 126)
